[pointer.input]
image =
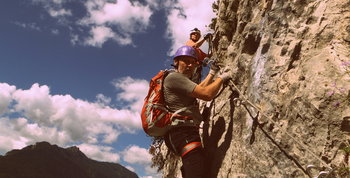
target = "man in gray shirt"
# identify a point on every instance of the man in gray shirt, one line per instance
(181, 94)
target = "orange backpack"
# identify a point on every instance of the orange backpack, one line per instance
(155, 116)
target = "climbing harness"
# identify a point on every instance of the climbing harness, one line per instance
(189, 147)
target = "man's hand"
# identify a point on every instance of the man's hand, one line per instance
(226, 73)
(207, 36)
(213, 68)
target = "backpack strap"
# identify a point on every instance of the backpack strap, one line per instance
(176, 113)
(177, 119)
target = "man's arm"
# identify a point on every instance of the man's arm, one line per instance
(199, 43)
(208, 80)
(208, 92)
(193, 44)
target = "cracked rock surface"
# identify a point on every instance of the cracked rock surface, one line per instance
(293, 63)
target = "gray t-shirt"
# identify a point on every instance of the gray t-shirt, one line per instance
(177, 90)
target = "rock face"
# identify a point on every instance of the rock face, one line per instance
(44, 160)
(293, 64)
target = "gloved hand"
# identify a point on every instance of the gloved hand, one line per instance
(226, 73)
(213, 68)
(207, 36)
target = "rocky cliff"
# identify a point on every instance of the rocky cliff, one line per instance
(288, 107)
(44, 160)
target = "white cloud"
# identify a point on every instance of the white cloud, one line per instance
(129, 16)
(105, 20)
(124, 16)
(130, 168)
(55, 8)
(5, 96)
(152, 171)
(119, 20)
(74, 39)
(100, 153)
(9, 144)
(55, 31)
(9, 139)
(186, 15)
(99, 35)
(35, 102)
(35, 115)
(136, 155)
(59, 12)
(58, 2)
(19, 133)
(32, 26)
(134, 91)
(103, 100)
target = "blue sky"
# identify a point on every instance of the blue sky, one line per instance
(76, 72)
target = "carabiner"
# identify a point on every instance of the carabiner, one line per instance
(237, 102)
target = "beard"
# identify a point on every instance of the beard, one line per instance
(190, 72)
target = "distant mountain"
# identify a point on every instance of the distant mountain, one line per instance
(44, 160)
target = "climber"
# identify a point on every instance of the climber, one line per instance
(194, 42)
(180, 93)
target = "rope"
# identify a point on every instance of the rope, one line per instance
(264, 115)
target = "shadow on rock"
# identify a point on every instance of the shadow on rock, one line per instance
(214, 152)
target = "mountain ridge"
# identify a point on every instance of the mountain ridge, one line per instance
(50, 161)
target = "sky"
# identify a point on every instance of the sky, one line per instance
(75, 73)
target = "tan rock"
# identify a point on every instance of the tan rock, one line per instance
(293, 62)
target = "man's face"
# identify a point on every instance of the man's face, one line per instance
(187, 65)
(195, 37)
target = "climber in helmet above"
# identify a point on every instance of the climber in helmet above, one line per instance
(195, 42)
(180, 95)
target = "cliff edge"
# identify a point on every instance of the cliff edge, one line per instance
(287, 111)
